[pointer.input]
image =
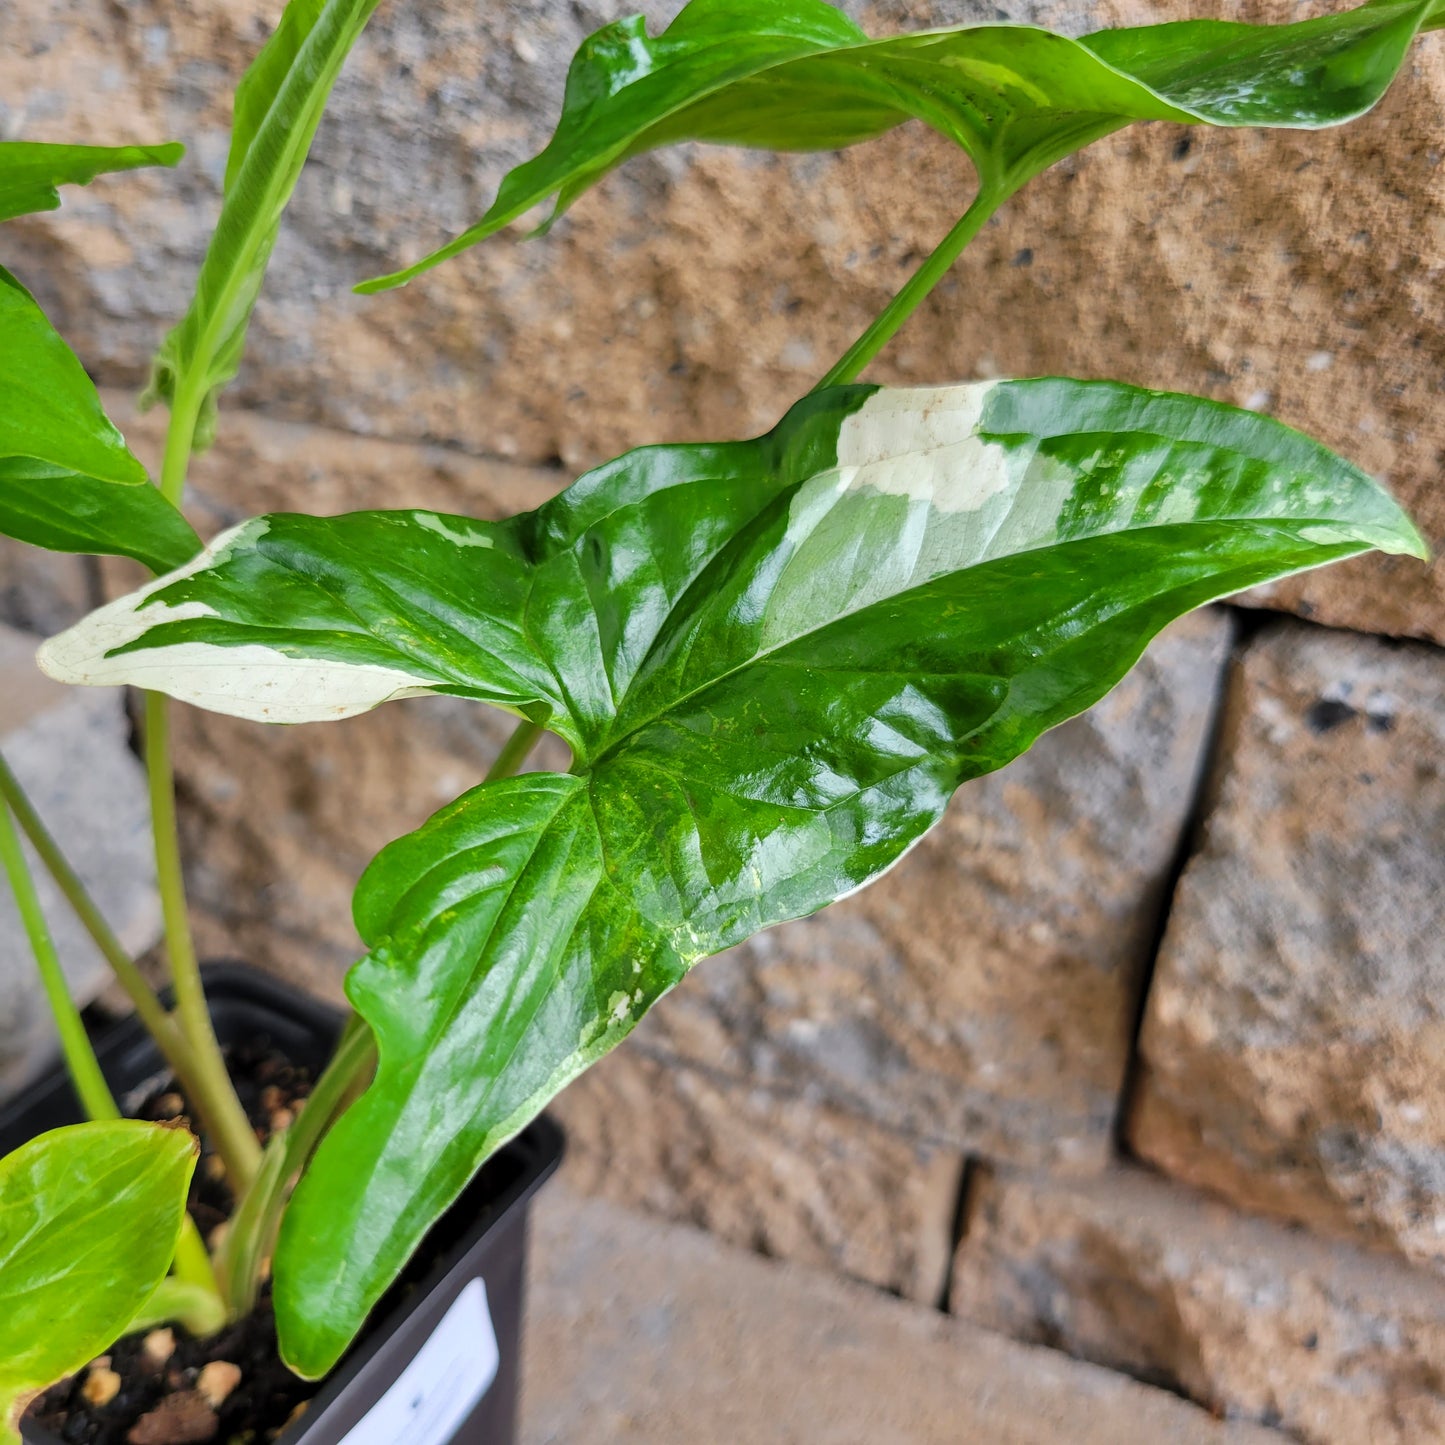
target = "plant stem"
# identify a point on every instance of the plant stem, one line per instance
(213, 1095)
(214, 1098)
(254, 1226)
(157, 1021)
(192, 1264)
(200, 1310)
(351, 1064)
(180, 436)
(514, 750)
(989, 198)
(80, 1060)
(193, 1267)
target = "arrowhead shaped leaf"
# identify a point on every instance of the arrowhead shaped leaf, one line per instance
(89, 1219)
(799, 76)
(774, 660)
(31, 171)
(67, 479)
(279, 103)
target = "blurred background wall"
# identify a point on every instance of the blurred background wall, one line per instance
(1141, 1054)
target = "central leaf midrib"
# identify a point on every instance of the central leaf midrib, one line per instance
(615, 744)
(404, 1095)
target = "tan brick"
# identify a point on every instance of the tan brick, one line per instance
(650, 1334)
(1256, 1320)
(1294, 1047)
(787, 1176)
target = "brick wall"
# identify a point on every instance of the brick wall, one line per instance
(1141, 1054)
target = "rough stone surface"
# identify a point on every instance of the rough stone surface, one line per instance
(651, 1334)
(700, 291)
(1256, 1320)
(43, 592)
(1294, 1045)
(70, 749)
(984, 993)
(786, 1176)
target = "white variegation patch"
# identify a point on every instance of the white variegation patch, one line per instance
(250, 681)
(923, 442)
(431, 522)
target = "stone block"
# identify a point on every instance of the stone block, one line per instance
(42, 592)
(650, 1334)
(70, 749)
(1336, 1345)
(1295, 272)
(1293, 1050)
(786, 1176)
(983, 994)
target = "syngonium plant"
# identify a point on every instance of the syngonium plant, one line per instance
(773, 660)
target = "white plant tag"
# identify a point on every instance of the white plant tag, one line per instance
(443, 1383)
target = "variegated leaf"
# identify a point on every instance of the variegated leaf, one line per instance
(774, 661)
(798, 75)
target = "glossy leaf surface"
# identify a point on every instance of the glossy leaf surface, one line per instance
(67, 479)
(31, 171)
(774, 660)
(89, 1219)
(279, 104)
(799, 76)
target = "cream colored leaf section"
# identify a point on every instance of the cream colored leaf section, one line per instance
(249, 681)
(922, 442)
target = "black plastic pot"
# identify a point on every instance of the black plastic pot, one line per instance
(439, 1367)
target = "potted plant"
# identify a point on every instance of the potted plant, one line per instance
(774, 660)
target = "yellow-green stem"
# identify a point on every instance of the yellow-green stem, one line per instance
(514, 750)
(202, 1311)
(90, 1086)
(924, 279)
(180, 437)
(192, 1263)
(193, 1267)
(158, 1022)
(252, 1237)
(215, 1099)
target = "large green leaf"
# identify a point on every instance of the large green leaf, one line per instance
(774, 660)
(89, 1219)
(278, 106)
(30, 171)
(67, 479)
(797, 75)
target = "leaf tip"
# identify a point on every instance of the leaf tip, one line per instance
(180, 1128)
(374, 284)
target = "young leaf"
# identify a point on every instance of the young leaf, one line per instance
(67, 479)
(89, 1218)
(797, 75)
(30, 171)
(774, 660)
(279, 103)
(50, 409)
